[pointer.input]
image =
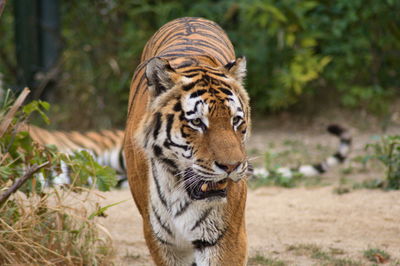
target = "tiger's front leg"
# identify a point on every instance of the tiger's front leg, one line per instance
(221, 255)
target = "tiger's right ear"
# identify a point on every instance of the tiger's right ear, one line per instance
(160, 76)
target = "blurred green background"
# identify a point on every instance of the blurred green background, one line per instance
(302, 55)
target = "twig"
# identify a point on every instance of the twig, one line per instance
(20, 181)
(9, 116)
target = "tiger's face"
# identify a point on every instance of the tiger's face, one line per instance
(197, 124)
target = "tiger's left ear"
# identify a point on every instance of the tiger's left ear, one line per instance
(237, 69)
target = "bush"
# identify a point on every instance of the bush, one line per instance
(37, 226)
(387, 151)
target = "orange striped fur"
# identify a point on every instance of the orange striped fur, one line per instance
(187, 167)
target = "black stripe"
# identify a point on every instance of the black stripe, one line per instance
(170, 120)
(160, 195)
(197, 93)
(183, 133)
(189, 86)
(226, 91)
(157, 151)
(173, 55)
(163, 225)
(340, 157)
(198, 43)
(191, 75)
(202, 244)
(204, 166)
(186, 63)
(202, 218)
(217, 74)
(183, 209)
(142, 79)
(177, 107)
(196, 69)
(320, 168)
(204, 172)
(226, 85)
(230, 65)
(186, 48)
(168, 143)
(195, 106)
(170, 163)
(157, 125)
(121, 160)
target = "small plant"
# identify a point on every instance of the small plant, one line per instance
(304, 249)
(376, 255)
(323, 257)
(387, 151)
(261, 260)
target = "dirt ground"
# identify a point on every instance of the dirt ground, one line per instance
(283, 223)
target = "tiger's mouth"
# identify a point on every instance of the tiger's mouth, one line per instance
(208, 189)
(199, 189)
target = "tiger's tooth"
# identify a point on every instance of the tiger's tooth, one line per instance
(223, 185)
(204, 187)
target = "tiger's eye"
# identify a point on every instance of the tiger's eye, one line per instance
(236, 120)
(196, 122)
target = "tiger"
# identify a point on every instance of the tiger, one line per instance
(187, 124)
(104, 145)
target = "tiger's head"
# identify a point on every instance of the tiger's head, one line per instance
(197, 121)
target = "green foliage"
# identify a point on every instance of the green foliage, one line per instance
(101, 210)
(276, 179)
(18, 153)
(83, 166)
(295, 49)
(36, 227)
(387, 151)
(376, 255)
(37, 106)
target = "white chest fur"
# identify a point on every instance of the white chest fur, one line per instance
(179, 222)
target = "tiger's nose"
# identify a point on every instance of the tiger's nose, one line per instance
(229, 168)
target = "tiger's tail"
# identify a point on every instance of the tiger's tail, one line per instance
(337, 158)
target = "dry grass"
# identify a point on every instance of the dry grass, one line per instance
(42, 229)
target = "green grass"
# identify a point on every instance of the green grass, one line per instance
(261, 260)
(328, 258)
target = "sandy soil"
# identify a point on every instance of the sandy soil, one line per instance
(278, 218)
